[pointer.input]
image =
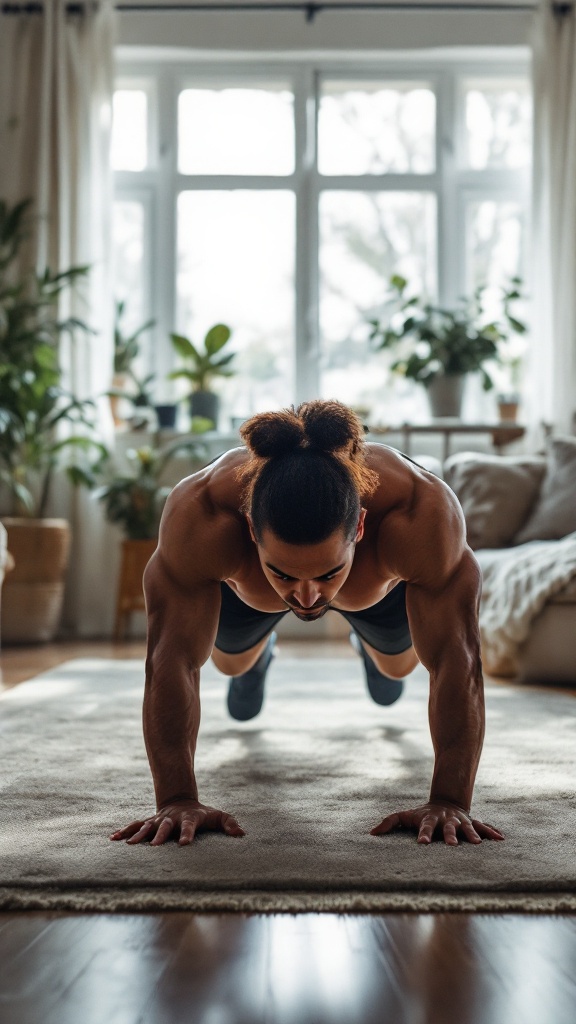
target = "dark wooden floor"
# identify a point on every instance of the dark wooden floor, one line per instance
(286, 969)
(59, 968)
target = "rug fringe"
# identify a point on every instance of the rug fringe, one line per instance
(259, 902)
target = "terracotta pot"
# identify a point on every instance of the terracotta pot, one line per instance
(508, 411)
(34, 591)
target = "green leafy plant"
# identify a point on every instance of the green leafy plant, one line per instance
(441, 341)
(203, 365)
(126, 346)
(42, 424)
(135, 500)
(135, 388)
(141, 394)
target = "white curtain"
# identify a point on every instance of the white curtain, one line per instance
(56, 87)
(552, 396)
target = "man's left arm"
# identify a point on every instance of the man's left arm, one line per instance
(442, 601)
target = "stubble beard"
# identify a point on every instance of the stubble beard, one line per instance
(311, 614)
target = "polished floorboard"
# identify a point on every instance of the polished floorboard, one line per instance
(168, 968)
(286, 969)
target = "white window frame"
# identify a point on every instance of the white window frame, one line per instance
(164, 75)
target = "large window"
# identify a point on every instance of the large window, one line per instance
(281, 200)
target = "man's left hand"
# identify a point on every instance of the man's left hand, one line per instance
(450, 818)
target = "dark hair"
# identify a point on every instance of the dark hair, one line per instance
(307, 472)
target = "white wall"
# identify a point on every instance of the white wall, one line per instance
(363, 31)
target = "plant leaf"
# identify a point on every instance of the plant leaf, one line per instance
(185, 374)
(216, 338)
(185, 347)
(398, 282)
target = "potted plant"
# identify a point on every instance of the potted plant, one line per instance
(139, 392)
(126, 384)
(134, 501)
(439, 347)
(202, 366)
(512, 352)
(42, 427)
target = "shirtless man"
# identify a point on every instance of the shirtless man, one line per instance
(307, 517)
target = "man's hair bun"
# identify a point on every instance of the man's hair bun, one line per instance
(330, 426)
(327, 426)
(270, 434)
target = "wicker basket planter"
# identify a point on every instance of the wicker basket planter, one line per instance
(33, 592)
(135, 556)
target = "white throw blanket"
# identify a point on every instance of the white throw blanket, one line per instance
(517, 582)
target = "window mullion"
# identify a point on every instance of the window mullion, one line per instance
(450, 239)
(307, 371)
(165, 224)
(409, 182)
(227, 182)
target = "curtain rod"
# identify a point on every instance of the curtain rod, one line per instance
(310, 10)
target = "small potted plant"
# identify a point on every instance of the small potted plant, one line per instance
(201, 367)
(125, 383)
(138, 391)
(439, 347)
(134, 501)
(512, 352)
(43, 427)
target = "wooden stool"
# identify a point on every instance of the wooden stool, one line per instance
(135, 556)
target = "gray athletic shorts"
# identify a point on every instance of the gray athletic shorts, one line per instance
(384, 626)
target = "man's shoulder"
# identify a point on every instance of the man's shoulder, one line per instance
(214, 488)
(422, 532)
(405, 485)
(386, 460)
(203, 533)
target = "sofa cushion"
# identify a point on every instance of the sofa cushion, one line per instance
(554, 514)
(496, 492)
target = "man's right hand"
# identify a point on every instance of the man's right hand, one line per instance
(182, 817)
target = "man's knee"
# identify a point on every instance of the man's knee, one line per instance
(237, 664)
(397, 666)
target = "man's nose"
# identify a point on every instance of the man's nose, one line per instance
(307, 593)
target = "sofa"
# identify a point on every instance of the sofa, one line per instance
(520, 513)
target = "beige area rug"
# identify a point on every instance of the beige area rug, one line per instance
(307, 779)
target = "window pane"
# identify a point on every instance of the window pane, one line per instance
(495, 242)
(498, 123)
(246, 130)
(130, 130)
(236, 266)
(376, 127)
(128, 235)
(365, 238)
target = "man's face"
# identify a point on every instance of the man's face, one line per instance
(308, 576)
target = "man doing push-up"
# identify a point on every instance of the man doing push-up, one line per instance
(307, 517)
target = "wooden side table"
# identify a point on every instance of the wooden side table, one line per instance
(135, 556)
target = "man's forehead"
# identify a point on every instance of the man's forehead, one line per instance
(306, 560)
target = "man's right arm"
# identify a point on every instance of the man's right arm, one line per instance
(182, 624)
(182, 589)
